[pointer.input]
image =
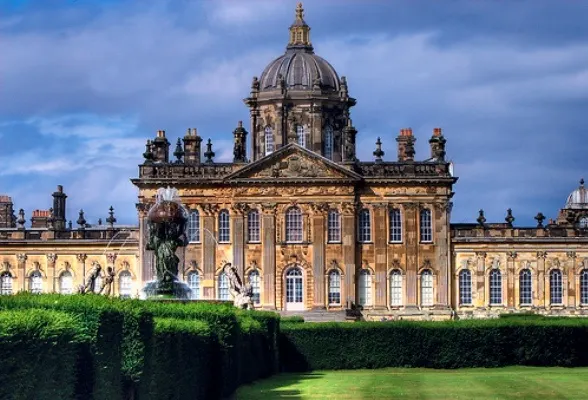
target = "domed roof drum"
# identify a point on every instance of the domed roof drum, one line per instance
(299, 68)
(578, 198)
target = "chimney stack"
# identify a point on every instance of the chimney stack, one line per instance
(437, 143)
(406, 145)
(59, 209)
(192, 147)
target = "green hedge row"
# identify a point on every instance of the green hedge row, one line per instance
(456, 344)
(38, 353)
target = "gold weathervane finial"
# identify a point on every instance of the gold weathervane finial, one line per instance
(299, 11)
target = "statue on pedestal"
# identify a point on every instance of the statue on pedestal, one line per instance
(90, 286)
(242, 293)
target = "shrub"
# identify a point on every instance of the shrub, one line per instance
(99, 364)
(180, 361)
(38, 352)
(475, 343)
(292, 319)
(269, 360)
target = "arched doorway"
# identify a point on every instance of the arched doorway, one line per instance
(294, 289)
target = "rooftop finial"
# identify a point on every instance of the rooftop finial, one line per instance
(299, 12)
(300, 31)
(582, 182)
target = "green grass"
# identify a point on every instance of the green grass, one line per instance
(398, 383)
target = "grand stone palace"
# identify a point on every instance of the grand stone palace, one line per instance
(308, 224)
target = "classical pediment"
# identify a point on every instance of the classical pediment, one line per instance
(293, 162)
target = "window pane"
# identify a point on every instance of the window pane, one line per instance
(36, 282)
(584, 286)
(427, 288)
(556, 287)
(365, 229)
(224, 229)
(5, 283)
(426, 226)
(302, 135)
(125, 281)
(294, 225)
(223, 287)
(495, 287)
(269, 141)
(334, 288)
(525, 287)
(365, 288)
(328, 144)
(194, 227)
(465, 287)
(334, 226)
(255, 283)
(395, 288)
(395, 226)
(194, 285)
(253, 227)
(66, 283)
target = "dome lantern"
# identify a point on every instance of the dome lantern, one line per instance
(300, 31)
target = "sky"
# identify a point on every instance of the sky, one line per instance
(84, 84)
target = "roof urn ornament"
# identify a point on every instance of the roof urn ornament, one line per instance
(81, 221)
(509, 217)
(378, 153)
(148, 154)
(179, 152)
(209, 154)
(540, 218)
(481, 219)
(111, 219)
(21, 219)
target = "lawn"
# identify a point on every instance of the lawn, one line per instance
(397, 383)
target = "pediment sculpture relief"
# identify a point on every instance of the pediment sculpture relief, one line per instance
(295, 166)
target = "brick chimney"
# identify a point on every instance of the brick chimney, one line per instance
(406, 145)
(59, 209)
(192, 147)
(160, 148)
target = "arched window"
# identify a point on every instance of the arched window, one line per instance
(395, 287)
(223, 287)
(334, 226)
(465, 287)
(302, 135)
(495, 287)
(365, 288)
(364, 226)
(427, 288)
(224, 227)
(5, 283)
(584, 286)
(525, 287)
(426, 226)
(269, 141)
(255, 282)
(194, 227)
(395, 226)
(294, 225)
(555, 287)
(583, 224)
(194, 285)
(253, 226)
(36, 282)
(328, 142)
(65, 283)
(334, 288)
(124, 284)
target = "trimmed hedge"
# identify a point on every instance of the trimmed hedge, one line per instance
(456, 344)
(98, 367)
(38, 352)
(180, 361)
(268, 340)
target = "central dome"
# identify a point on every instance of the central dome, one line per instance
(301, 70)
(299, 67)
(578, 198)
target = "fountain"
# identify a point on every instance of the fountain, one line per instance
(166, 223)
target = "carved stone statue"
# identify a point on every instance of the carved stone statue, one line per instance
(90, 286)
(242, 293)
(108, 282)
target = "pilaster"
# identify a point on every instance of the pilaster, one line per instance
(380, 253)
(318, 253)
(412, 245)
(441, 238)
(82, 266)
(268, 259)
(510, 277)
(571, 273)
(22, 265)
(209, 244)
(239, 211)
(348, 237)
(480, 278)
(51, 271)
(541, 302)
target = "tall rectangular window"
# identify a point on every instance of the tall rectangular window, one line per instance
(302, 135)
(364, 226)
(334, 226)
(224, 227)
(465, 287)
(294, 225)
(269, 140)
(495, 287)
(328, 142)
(427, 288)
(525, 288)
(395, 226)
(426, 226)
(253, 227)
(396, 288)
(194, 227)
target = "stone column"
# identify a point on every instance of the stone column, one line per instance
(316, 129)
(380, 253)
(82, 267)
(571, 273)
(51, 270)
(268, 258)
(209, 250)
(348, 232)
(412, 244)
(22, 266)
(239, 211)
(253, 113)
(540, 298)
(318, 253)
(510, 278)
(480, 283)
(281, 131)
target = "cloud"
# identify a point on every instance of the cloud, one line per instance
(231, 12)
